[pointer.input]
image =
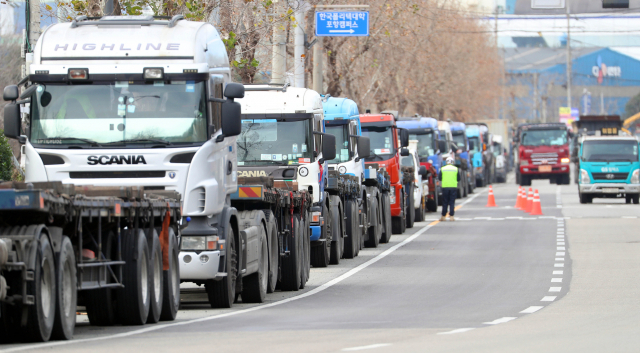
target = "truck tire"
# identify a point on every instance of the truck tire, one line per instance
(565, 179)
(635, 198)
(156, 277)
(337, 241)
(585, 198)
(409, 208)
(222, 293)
(254, 286)
(274, 250)
(432, 205)
(375, 230)
(307, 246)
(352, 239)
(67, 292)
(291, 265)
(304, 248)
(42, 314)
(134, 300)
(101, 304)
(171, 281)
(525, 180)
(386, 218)
(320, 254)
(420, 211)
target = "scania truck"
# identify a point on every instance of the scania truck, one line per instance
(134, 101)
(543, 153)
(425, 131)
(388, 142)
(364, 218)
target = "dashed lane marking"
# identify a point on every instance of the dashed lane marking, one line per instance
(561, 253)
(555, 289)
(554, 280)
(558, 272)
(548, 299)
(361, 348)
(558, 265)
(531, 309)
(500, 320)
(460, 330)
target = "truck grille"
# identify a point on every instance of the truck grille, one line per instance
(611, 176)
(540, 158)
(118, 175)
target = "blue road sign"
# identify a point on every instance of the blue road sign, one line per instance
(342, 23)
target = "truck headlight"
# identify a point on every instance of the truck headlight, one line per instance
(584, 177)
(635, 177)
(199, 243)
(392, 195)
(565, 160)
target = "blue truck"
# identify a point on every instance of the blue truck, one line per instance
(458, 131)
(476, 145)
(609, 168)
(363, 192)
(425, 131)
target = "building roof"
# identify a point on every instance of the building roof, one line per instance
(530, 60)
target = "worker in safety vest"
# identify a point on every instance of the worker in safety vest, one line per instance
(449, 178)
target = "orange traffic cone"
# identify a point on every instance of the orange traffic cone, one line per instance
(492, 201)
(527, 206)
(519, 199)
(536, 209)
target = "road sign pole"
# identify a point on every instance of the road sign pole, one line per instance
(298, 49)
(318, 56)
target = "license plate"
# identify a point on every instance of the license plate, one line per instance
(610, 190)
(544, 168)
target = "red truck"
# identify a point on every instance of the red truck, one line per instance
(543, 153)
(385, 152)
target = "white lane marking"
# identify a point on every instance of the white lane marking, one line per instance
(548, 299)
(561, 243)
(559, 258)
(460, 330)
(500, 320)
(371, 346)
(632, 217)
(531, 309)
(546, 217)
(560, 248)
(558, 272)
(561, 253)
(487, 218)
(556, 280)
(513, 217)
(558, 265)
(314, 291)
(555, 289)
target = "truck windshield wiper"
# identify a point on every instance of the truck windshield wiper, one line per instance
(140, 140)
(90, 142)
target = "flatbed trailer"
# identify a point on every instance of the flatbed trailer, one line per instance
(282, 212)
(113, 250)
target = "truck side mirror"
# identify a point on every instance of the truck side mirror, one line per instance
(234, 90)
(328, 147)
(11, 93)
(404, 151)
(404, 137)
(231, 123)
(423, 171)
(12, 120)
(364, 147)
(442, 145)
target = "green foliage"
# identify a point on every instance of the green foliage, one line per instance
(6, 156)
(632, 107)
(230, 43)
(243, 63)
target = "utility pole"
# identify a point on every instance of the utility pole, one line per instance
(568, 57)
(495, 32)
(108, 7)
(279, 49)
(298, 50)
(318, 56)
(34, 24)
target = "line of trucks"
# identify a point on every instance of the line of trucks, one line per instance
(146, 167)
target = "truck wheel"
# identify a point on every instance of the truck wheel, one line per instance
(420, 211)
(255, 285)
(566, 179)
(636, 199)
(156, 276)
(398, 224)
(410, 214)
(222, 293)
(291, 264)
(134, 299)
(171, 281)
(403, 205)
(585, 198)
(101, 303)
(67, 292)
(375, 230)
(306, 246)
(351, 228)
(274, 250)
(302, 258)
(320, 254)
(43, 288)
(525, 180)
(337, 241)
(386, 218)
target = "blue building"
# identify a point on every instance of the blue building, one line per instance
(603, 80)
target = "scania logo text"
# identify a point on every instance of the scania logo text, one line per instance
(108, 160)
(251, 173)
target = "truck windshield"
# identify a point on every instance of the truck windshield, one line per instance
(275, 141)
(497, 149)
(425, 144)
(544, 137)
(119, 113)
(341, 132)
(382, 146)
(610, 151)
(476, 144)
(460, 141)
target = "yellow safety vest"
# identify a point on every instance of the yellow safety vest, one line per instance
(84, 102)
(449, 176)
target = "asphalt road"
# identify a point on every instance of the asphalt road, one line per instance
(497, 279)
